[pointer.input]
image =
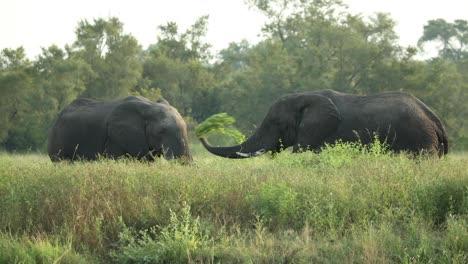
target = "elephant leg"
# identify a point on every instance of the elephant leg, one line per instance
(113, 150)
(318, 122)
(309, 140)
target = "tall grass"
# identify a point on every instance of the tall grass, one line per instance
(346, 204)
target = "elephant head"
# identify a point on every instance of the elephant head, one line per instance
(166, 132)
(145, 129)
(298, 120)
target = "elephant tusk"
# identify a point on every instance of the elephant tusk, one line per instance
(250, 155)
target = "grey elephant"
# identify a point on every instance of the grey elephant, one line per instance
(308, 120)
(132, 127)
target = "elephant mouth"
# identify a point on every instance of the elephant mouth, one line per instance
(251, 155)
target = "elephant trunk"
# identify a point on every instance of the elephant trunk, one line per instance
(178, 154)
(176, 148)
(255, 145)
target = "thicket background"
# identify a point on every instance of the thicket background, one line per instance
(307, 45)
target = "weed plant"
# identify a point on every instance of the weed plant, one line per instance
(345, 204)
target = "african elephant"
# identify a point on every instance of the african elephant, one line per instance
(308, 120)
(132, 127)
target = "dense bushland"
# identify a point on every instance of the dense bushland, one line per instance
(343, 205)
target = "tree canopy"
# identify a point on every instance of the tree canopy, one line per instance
(306, 45)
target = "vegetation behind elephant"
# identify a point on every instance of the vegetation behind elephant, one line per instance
(133, 127)
(309, 120)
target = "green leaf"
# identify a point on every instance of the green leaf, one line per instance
(222, 123)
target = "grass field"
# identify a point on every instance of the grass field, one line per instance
(344, 205)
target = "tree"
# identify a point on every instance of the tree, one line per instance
(178, 65)
(185, 46)
(452, 37)
(331, 48)
(61, 76)
(112, 55)
(15, 85)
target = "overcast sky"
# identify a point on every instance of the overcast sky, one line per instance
(40, 23)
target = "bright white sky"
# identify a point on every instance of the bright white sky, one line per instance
(40, 23)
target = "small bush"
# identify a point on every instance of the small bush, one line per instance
(181, 241)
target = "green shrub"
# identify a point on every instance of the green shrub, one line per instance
(181, 241)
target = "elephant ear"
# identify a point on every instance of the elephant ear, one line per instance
(126, 131)
(319, 119)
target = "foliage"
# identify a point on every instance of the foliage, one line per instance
(15, 84)
(186, 46)
(222, 123)
(176, 64)
(152, 94)
(453, 37)
(112, 56)
(61, 78)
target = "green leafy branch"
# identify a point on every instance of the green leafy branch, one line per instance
(221, 123)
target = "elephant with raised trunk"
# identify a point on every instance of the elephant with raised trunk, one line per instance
(308, 120)
(131, 127)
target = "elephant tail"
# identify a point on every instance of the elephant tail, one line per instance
(442, 138)
(443, 146)
(443, 142)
